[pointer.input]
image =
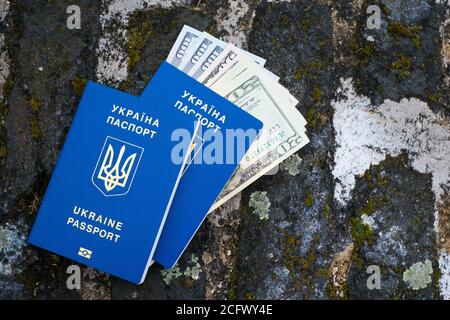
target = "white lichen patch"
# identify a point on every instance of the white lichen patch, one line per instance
(112, 61)
(123, 8)
(12, 241)
(229, 20)
(4, 9)
(193, 271)
(4, 64)
(291, 165)
(170, 274)
(260, 204)
(444, 281)
(418, 276)
(368, 221)
(366, 134)
(391, 246)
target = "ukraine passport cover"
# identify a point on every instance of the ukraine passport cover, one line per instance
(115, 178)
(226, 133)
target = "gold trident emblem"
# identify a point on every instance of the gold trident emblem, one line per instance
(114, 175)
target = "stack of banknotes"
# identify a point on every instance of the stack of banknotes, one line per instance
(240, 77)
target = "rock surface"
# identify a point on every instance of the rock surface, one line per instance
(371, 191)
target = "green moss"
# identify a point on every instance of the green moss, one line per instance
(310, 115)
(249, 296)
(323, 43)
(137, 38)
(398, 270)
(232, 293)
(316, 65)
(368, 208)
(434, 97)
(357, 260)
(300, 268)
(354, 45)
(381, 181)
(316, 120)
(78, 85)
(365, 52)
(372, 204)
(3, 110)
(3, 153)
(368, 177)
(276, 44)
(360, 232)
(291, 39)
(402, 66)
(309, 200)
(34, 104)
(298, 74)
(403, 74)
(289, 244)
(323, 272)
(416, 41)
(7, 87)
(284, 20)
(400, 30)
(308, 262)
(317, 94)
(326, 211)
(403, 62)
(332, 291)
(321, 163)
(306, 23)
(311, 69)
(35, 129)
(368, 50)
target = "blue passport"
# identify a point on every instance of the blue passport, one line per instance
(115, 179)
(225, 135)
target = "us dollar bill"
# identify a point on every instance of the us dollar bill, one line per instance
(224, 61)
(186, 41)
(283, 134)
(203, 65)
(204, 46)
(226, 76)
(194, 51)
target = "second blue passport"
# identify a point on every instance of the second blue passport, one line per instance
(225, 135)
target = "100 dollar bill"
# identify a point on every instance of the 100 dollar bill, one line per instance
(283, 133)
(183, 46)
(194, 51)
(239, 76)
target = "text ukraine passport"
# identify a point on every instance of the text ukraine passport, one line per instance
(225, 135)
(114, 180)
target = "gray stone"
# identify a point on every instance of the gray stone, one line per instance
(312, 246)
